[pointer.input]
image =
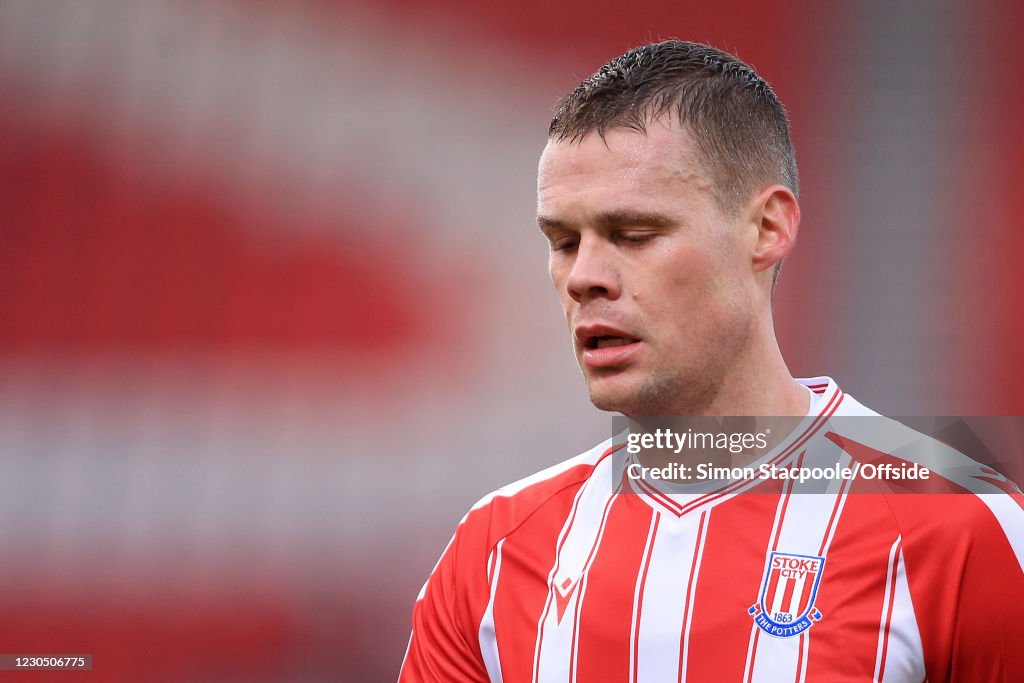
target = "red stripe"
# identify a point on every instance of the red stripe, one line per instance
(864, 535)
(606, 620)
(733, 529)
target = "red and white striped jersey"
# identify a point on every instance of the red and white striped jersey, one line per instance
(568, 576)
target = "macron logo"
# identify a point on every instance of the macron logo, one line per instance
(563, 594)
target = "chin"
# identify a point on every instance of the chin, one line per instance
(614, 399)
(646, 396)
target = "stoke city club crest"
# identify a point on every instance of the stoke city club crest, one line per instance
(785, 604)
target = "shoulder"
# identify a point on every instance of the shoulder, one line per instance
(871, 438)
(953, 500)
(501, 512)
(961, 538)
(470, 553)
(449, 618)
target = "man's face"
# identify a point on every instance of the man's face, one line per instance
(656, 282)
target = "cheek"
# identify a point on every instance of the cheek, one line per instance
(682, 272)
(689, 294)
(559, 273)
(556, 272)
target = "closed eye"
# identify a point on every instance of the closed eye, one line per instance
(564, 242)
(636, 237)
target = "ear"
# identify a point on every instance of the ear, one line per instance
(776, 215)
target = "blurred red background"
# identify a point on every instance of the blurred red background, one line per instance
(274, 311)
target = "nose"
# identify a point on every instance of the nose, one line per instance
(593, 274)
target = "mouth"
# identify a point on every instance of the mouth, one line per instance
(607, 341)
(605, 347)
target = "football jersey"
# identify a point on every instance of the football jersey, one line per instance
(578, 573)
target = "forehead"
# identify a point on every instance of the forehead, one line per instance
(661, 165)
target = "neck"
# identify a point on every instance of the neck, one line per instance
(758, 385)
(767, 389)
(755, 382)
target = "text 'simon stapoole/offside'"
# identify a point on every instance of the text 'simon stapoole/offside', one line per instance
(707, 472)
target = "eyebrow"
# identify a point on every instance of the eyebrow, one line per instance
(612, 219)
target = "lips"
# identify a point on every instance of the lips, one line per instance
(602, 336)
(605, 346)
(605, 342)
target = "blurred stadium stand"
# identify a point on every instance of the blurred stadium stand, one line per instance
(274, 311)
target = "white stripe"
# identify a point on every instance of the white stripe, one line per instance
(487, 635)
(637, 597)
(661, 620)
(798, 592)
(843, 488)
(569, 520)
(580, 535)
(806, 638)
(490, 562)
(584, 580)
(904, 659)
(1010, 517)
(803, 532)
(787, 488)
(692, 597)
(593, 456)
(779, 592)
(750, 653)
(890, 569)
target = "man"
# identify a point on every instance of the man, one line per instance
(668, 193)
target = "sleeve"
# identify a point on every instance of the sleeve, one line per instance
(963, 540)
(444, 645)
(969, 593)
